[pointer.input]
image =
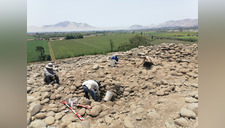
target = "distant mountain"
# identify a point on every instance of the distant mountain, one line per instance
(62, 26)
(73, 26)
(136, 26)
(169, 24)
(179, 23)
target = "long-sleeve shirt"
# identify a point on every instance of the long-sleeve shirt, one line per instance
(115, 58)
(48, 72)
(92, 85)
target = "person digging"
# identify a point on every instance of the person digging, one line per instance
(114, 60)
(50, 75)
(91, 87)
(147, 62)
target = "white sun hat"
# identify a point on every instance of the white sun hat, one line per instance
(116, 54)
(49, 65)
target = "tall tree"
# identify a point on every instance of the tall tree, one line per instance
(41, 50)
(111, 43)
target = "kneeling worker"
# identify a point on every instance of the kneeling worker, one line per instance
(89, 87)
(114, 60)
(49, 74)
(147, 62)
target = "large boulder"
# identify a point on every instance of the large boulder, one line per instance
(49, 120)
(58, 116)
(191, 100)
(69, 117)
(184, 112)
(30, 99)
(193, 107)
(40, 116)
(38, 124)
(181, 122)
(96, 110)
(83, 124)
(34, 109)
(95, 67)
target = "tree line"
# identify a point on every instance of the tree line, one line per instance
(73, 36)
(137, 40)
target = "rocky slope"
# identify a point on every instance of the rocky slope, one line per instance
(166, 96)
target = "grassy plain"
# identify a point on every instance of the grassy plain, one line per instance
(31, 37)
(32, 55)
(87, 45)
(184, 36)
(100, 43)
(160, 41)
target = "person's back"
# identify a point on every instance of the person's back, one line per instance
(91, 84)
(89, 87)
(147, 62)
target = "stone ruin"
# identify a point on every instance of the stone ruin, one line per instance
(164, 96)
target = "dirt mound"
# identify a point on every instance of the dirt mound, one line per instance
(164, 96)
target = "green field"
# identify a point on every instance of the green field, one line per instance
(32, 55)
(183, 36)
(160, 41)
(88, 45)
(31, 37)
(100, 43)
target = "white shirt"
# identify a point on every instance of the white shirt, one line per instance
(92, 85)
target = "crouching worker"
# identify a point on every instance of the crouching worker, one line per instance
(91, 86)
(114, 60)
(147, 62)
(49, 75)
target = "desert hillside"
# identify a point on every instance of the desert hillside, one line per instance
(166, 96)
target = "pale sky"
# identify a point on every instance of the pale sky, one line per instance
(109, 13)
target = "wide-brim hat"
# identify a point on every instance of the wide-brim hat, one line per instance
(50, 66)
(116, 54)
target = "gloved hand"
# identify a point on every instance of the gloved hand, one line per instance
(53, 77)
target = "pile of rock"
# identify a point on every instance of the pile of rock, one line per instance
(164, 96)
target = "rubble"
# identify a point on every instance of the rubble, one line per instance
(164, 96)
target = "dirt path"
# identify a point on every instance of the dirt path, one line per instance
(51, 52)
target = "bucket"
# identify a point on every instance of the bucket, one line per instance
(108, 96)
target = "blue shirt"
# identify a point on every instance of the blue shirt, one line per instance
(114, 58)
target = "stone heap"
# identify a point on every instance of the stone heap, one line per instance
(164, 96)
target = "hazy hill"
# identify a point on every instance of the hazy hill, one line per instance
(136, 26)
(171, 23)
(62, 26)
(179, 23)
(73, 26)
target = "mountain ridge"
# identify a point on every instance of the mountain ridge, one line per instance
(73, 26)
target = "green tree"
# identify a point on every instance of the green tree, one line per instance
(139, 40)
(111, 43)
(41, 50)
(48, 57)
(152, 37)
(124, 46)
(46, 38)
(73, 36)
